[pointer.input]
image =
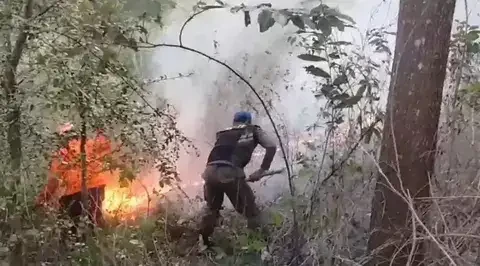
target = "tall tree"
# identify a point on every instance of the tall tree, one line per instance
(12, 55)
(409, 136)
(9, 82)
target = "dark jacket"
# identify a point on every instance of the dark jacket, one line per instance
(235, 145)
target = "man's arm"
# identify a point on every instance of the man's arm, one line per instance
(268, 144)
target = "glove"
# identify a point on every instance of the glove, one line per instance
(257, 175)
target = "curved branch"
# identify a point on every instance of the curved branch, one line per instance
(264, 105)
(180, 35)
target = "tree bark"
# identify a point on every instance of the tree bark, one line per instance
(83, 156)
(13, 122)
(9, 84)
(407, 154)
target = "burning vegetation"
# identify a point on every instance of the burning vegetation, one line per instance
(132, 199)
(126, 195)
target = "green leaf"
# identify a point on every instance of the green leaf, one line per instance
(362, 90)
(319, 41)
(473, 35)
(318, 10)
(342, 79)
(307, 21)
(298, 21)
(345, 17)
(327, 90)
(127, 174)
(317, 71)
(246, 17)
(282, 17)
(335, 22)
(324, 25)
(256, 245)
(338, 14)
(340, 97)
(277, 219)
(473, 48)
(311, 57)
(349, 102)
(334, 55)
(265, 20)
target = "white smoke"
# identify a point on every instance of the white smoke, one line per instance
(270, 64)
(207, 100)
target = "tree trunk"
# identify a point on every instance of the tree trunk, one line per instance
(83, 156)
(9, 85)
(409, 138)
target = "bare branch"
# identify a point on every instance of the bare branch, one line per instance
(180, 35)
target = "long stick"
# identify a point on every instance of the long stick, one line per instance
(269, 173)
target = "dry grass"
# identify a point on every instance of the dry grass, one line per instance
(334, 226)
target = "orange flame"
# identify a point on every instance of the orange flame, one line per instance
(136, 199)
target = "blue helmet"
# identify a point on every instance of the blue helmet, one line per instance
(242, 117)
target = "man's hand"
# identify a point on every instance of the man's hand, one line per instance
(257, 175)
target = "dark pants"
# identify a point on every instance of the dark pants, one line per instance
(226, 180)
(72, 207)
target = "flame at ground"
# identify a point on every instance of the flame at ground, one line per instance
(137, 198)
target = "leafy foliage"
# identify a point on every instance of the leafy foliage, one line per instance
(465, 51)
(80, 54)
(342, 81)
(76, 59)
(79, 58)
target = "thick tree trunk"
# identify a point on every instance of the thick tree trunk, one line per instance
(409, 138)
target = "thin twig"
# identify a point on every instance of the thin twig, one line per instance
(414, 239)
(350, 152)
(46, 10)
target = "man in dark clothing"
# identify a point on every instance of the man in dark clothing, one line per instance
(224, 173)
